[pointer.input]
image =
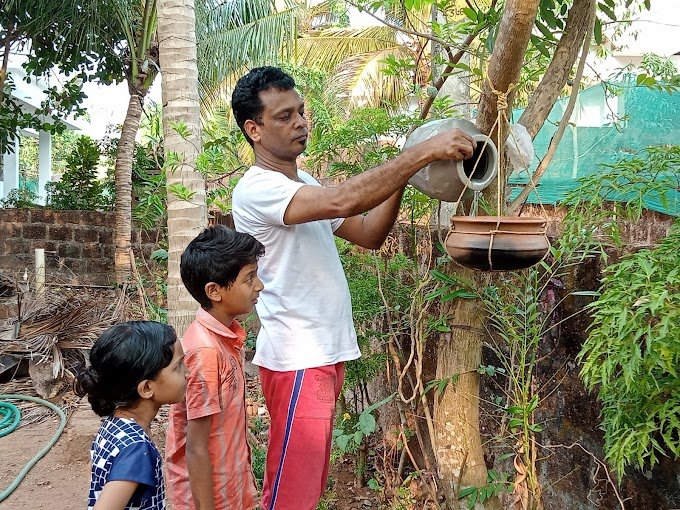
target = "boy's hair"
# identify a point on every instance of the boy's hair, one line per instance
(124, 355)
(245, 100)
(216, 255)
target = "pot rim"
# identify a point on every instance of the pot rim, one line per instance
(527, 220)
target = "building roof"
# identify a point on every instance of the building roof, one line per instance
(31, 95)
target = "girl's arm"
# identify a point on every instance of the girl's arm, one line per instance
(115, 495)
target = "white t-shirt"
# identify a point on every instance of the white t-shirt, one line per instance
(305, 308)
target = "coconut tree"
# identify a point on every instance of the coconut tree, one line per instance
(231, 35)
(236, 35)
(182, 130)
(202, 48)
(136, 23)
(359, 60)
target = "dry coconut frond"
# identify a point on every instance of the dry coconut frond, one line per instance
(57, 320)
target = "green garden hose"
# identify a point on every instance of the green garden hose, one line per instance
(9, 420)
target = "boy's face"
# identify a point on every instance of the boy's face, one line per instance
(241, 296)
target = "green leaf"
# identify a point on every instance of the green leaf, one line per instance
(366, 423)
(545, 31)
(470, 13)
(342, 441)
(515, 423)
(466, 491)
(549, 18)
(159, 255)
(463, 294)
(608, 11)
(597, 32)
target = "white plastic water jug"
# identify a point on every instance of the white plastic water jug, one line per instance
(446, 179)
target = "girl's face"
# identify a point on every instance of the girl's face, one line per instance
(171, 381)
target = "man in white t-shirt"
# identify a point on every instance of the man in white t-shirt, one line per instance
(307, 331)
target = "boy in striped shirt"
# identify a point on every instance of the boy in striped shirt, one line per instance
(207, 453)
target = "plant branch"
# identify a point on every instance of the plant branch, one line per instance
(453, 60)
(405, 30)
(5, 61)
(554, 143)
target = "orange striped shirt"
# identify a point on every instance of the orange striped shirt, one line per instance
(215, 387)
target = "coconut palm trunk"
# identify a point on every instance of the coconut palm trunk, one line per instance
(137, 22)
(187, 215)
(123, 176)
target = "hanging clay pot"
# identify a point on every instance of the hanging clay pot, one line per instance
(490, 243)
(447, 180)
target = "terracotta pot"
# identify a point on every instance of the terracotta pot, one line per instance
(482, 243)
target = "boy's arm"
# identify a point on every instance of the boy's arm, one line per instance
(116, 495)
(198, 463)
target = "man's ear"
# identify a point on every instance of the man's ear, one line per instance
(145, 389)
(212, 290)
(252, 130)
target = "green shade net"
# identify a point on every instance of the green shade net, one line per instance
(606, 126)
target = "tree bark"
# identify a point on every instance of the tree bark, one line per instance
(557, 137)
(186, 218)
(123, 175)
(458, 450)
(577, 28)
(506, 61)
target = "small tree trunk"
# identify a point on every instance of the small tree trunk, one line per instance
(459, 448)
(123, 208)
(186, 218)
(506, 61)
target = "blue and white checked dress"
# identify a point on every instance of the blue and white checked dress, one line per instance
(123, 451)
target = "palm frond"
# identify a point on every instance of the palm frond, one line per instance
(224, 52)
(327, 48)
(364, 83)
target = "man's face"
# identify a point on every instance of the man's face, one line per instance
(282, 132)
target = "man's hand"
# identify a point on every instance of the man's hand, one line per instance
(453, 144)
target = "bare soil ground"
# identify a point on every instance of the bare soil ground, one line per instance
(60, 480)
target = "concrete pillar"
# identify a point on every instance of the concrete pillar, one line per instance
(10, 177)
(44, 164)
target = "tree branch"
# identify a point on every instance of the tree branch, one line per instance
(578, 26)
(405, 30)
(506, 61)
(453, 60)
(5, 61)
(543, 166)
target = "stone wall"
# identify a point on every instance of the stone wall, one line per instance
(78, 244)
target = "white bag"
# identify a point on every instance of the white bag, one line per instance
(520, 148)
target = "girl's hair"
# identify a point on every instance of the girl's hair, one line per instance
(123, 356)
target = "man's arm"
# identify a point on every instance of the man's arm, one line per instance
(371, 230)
(198, 463)
(371, 188)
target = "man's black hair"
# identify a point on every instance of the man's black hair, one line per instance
(245, 101)
(216, 255)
